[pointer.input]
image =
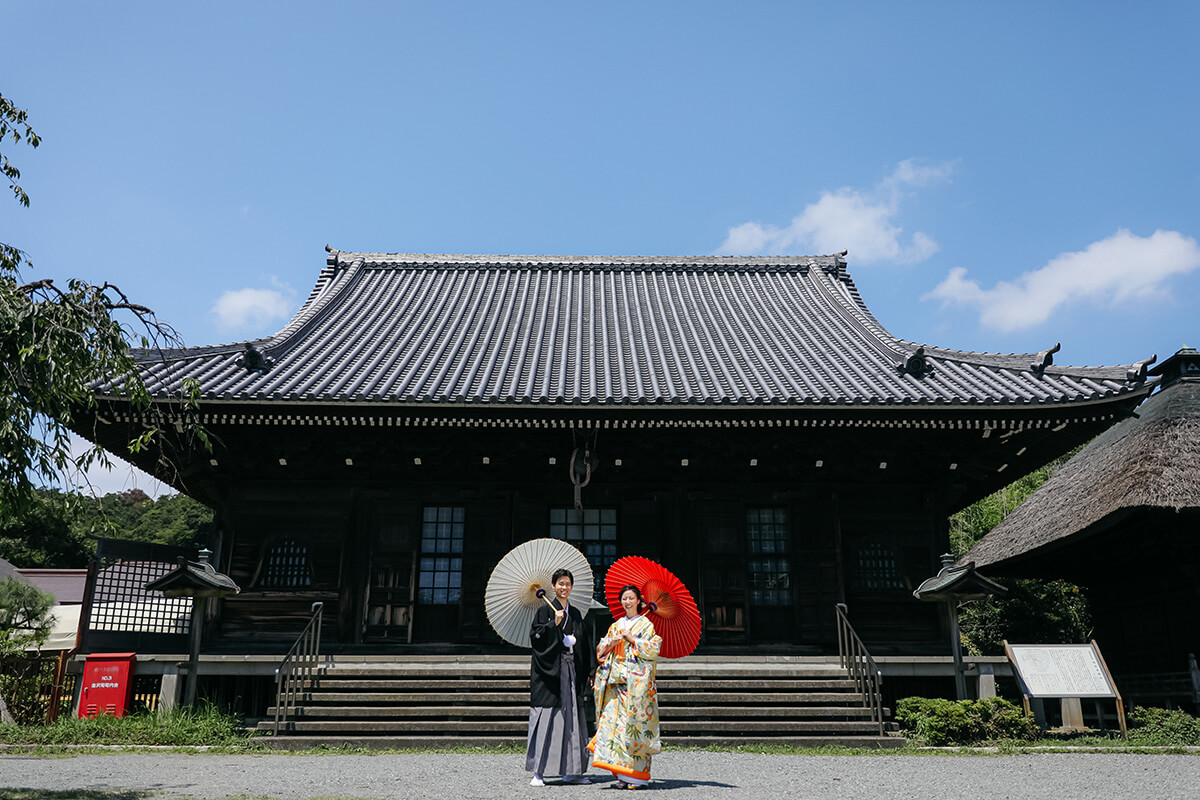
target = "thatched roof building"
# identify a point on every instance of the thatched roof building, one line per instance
(1122, 519)
(1150, 461)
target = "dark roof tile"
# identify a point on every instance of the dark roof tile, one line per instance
(586, 330)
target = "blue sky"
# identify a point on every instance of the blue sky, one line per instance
(1005, 175)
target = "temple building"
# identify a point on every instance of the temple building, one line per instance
(747, 422)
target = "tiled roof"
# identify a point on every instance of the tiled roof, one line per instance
(587, 330)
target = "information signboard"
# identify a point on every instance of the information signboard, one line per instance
(1061, 670)
(1066, 671)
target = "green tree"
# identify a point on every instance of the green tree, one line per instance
(25, 622)
(46, 535)
(56, 345)
(173, 519)
(1034, 611)
(58, 531)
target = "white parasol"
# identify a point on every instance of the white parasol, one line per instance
(521, 582)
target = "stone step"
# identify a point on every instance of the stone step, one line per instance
(342, 713)
(397, 684)
(522, 698)
(454, 702)
(758, 697)
(485, 669)
(519, 727)
(339, 683)
(377, 698)
(453, 671)
(385, 742)
(742, 712)
(408, 712)
(771, 685)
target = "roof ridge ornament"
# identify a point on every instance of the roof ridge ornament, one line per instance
(1044, 359)
(916, 364)
(835, 265)
(1136, 373)
(254, 360)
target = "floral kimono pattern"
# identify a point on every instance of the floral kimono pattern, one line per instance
(626, 701)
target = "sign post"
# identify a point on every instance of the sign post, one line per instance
(1066, 671)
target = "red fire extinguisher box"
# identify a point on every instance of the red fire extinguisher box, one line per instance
(107, 684)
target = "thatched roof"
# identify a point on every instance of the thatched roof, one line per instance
(1151, 461)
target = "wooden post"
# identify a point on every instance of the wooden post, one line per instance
(1113, 684)
(199, 605)
(960, 677)
(60, 673)
(1072, 715)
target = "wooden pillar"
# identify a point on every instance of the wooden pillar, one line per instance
(960, 678)
(199, 606)
(1072, 714)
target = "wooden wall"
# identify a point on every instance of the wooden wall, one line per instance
(696, 530)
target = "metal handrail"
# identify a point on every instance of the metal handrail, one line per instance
(298, 667)
(855, 659)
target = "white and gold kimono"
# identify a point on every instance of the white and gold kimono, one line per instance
(626, 702)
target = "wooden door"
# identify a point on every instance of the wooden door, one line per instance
(391, 581)
(818, 572)
(723, 596)
(390, 595)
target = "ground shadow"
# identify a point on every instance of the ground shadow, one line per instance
(611, 783)
(684, 784)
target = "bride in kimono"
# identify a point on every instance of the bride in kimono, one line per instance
(627, 729)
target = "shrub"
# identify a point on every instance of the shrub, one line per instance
(204, 725)
(940, 722)
(25, 682)
(1161, 727)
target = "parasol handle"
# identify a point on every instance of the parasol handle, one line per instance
(542, 594)
(652, 606)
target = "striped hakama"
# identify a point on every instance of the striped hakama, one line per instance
(558, 736)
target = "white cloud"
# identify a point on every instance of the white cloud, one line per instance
(861, 220)
(240, 309)
(1110, 271)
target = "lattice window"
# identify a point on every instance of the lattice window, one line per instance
(594, 532)
(286, 565)
(768, 539)
(876, 568)
(439, 581)
(121, 603)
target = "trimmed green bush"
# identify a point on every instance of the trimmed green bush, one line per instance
(1160, 727)
(940, 722)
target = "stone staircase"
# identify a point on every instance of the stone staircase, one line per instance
(385, 702)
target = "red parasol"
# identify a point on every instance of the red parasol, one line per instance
(672, 609)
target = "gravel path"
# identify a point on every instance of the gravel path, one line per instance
(1082, 776)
